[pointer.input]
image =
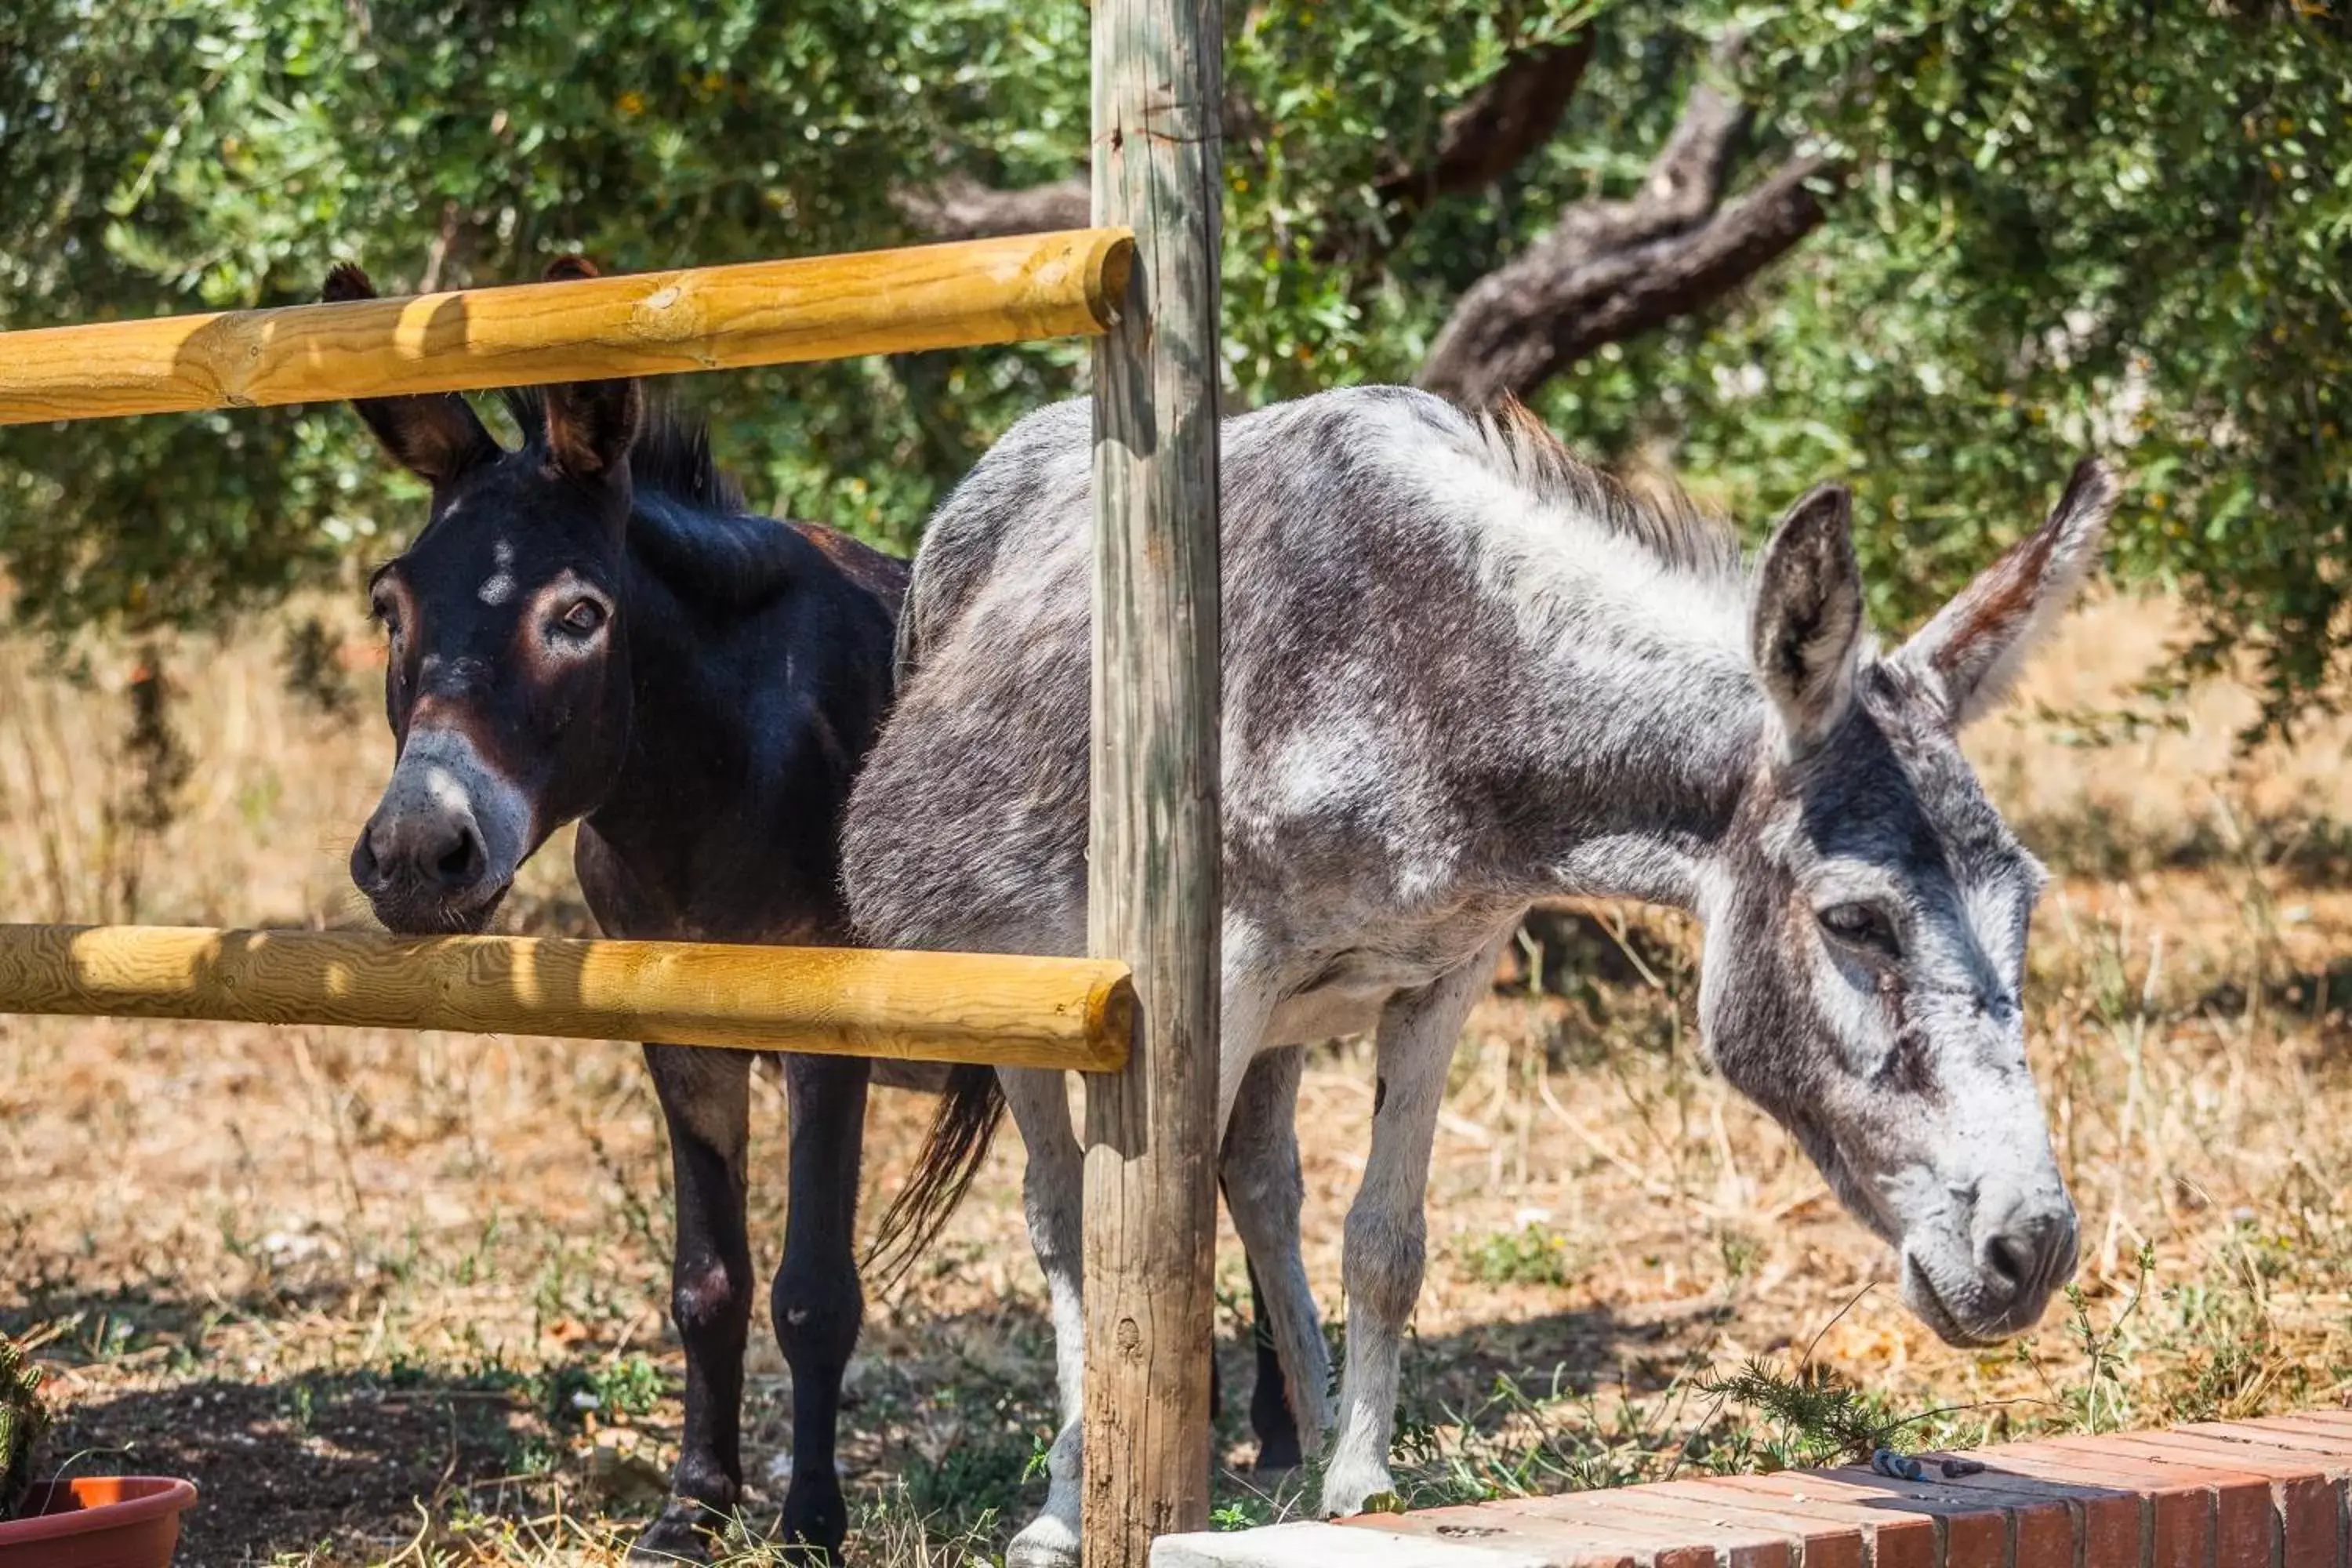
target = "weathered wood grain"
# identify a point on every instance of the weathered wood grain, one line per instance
(654, 324)
(933, 1006)
(1153, 895)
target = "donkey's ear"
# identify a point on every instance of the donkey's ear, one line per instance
(1805, 631)
(436, 437)
(346, 280)
(1967, 655)
(589, 423)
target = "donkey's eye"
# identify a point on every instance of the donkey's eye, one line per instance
(583, 617)
(1860, 925)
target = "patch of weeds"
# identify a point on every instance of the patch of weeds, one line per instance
(313, 669)
(1533, 1255)
(979, 1469)
(890, 1526)
(1811, 1417)
(627, 1389)
(1518, 1443)
(2230, 1363)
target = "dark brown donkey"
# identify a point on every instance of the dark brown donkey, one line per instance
(592, 628)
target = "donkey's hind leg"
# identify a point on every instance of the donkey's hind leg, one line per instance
(817, 1302)
(706, 1100)
(1264, 1190)
(1052, 1197)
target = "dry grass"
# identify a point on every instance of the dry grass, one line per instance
(360, 1285)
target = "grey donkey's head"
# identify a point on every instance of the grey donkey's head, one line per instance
(1866, 916)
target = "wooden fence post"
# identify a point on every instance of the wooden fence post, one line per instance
(1153, 896)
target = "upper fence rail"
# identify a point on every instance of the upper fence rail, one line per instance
(1064, 284)
(1070, 1013)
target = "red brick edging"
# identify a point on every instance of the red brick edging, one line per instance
(2238, 1494)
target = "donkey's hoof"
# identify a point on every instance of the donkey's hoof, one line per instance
(682, 1534)
(1350, 1489)
(1277, 1454)
(1047, 1542)
(815, 1521)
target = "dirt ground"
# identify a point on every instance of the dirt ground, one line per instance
(396, 1297)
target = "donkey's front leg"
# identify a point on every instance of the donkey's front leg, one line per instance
(705, 1099)
(1052, 1196)
(816, 1299)
(1386, 1238)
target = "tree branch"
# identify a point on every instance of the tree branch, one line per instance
(960, 207)
(1612, 270)
(1481, 139)
(1684, 184)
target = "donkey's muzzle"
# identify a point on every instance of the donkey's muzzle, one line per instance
(441, 852)
(424, 871)
(444, 843)
(2024, 1252)
(1992, 1281)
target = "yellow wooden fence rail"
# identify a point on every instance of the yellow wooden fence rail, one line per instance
(706, 318)
(1070, 1013)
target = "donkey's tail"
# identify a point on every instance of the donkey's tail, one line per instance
(969, 1114)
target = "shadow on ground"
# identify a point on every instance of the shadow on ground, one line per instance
(351, 1464)
(341, 1460)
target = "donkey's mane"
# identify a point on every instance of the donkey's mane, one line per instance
(671, 454)
(691, 525)
(1658, 516)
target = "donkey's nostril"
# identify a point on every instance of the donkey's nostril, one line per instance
(2028, 1253)
(366, 868)
(461, 865)
(2006, 1256)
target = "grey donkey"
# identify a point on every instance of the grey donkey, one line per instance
(1464, 672)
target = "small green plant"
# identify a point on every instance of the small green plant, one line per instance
(1813, 1416)
(1533, 1255)
(628, 1388)
(24, 1421)
(1241, 1513)
(2103, 1403)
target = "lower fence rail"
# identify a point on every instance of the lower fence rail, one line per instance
(995, 1010)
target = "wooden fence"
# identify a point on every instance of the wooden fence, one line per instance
(1145, 284)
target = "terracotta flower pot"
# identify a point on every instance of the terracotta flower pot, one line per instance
(98, 1521)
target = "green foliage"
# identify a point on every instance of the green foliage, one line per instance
(2079, 224)
(628, 1388)
(23, 1424)
(1532, 1254)
(2066, 226)
(1810, 1416)
(1523, 1441)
